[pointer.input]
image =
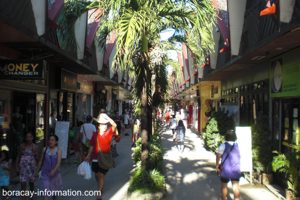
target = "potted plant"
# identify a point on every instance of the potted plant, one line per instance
(262, 150)
(288, 165)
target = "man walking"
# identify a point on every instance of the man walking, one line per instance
(86, 132)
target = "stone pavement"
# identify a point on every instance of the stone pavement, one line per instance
(191, 174)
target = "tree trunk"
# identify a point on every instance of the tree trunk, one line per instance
(146, 116)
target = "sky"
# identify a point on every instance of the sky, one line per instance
(172, 54)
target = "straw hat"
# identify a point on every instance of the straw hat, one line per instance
(102, 118)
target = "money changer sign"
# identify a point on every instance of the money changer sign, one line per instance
(21, 70)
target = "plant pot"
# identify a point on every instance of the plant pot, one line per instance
(266, 179)
(257, 177)
(289, 195)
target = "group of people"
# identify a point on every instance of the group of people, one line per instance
(30, 164)
(95, 139)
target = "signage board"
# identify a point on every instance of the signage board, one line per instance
(12, 70)
(68, 81)
(62, 132)
(244, 140)
(284, 75)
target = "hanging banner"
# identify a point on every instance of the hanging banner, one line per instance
(12, 70)
(54, 7)
(94, 16)
(223, 19)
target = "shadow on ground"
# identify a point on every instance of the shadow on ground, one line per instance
(191, 174)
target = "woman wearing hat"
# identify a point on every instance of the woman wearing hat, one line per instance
(101, 141)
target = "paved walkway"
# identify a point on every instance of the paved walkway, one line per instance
(191, 174)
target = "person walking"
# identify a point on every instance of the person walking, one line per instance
(126, 122)
(86, 132)
(27, 162)
(50, 166)
(173, 124)
(101, 143)
(167, 118)
(180, 135)
(228, 165)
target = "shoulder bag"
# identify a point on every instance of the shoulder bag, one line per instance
(105, 160)
(222, 163)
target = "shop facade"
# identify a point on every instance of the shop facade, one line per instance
(210, 95)
(246, 96)
(84, 99)
(23, 101)
(62, 92)
(285, 98)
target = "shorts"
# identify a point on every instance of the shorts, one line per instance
(226, 180)
(97, 169)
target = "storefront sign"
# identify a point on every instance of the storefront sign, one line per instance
(68, 81)
(285, 73)
(21, 70)
(86, 87)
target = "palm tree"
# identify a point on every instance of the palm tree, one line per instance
(138, 23)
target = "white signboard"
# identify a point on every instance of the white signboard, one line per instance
(244, 140)
(62, 132)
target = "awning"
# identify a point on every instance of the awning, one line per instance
(27, 47)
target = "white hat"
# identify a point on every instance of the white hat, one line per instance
(102, 118)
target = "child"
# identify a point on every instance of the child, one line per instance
(50, 164)
(27, 162)
(4, 170)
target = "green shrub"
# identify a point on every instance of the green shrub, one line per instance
(262, 145)
(146, 181)
(288, 165)
(155, 157)
(212, 138)
(156, 153)
(225, 122)
(215, 128)
(137, 151)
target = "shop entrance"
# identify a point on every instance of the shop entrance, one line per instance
(22, 119)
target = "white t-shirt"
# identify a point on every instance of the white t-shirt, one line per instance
(173, 123)
(221, 148)
(126, 119)
(87, 132)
